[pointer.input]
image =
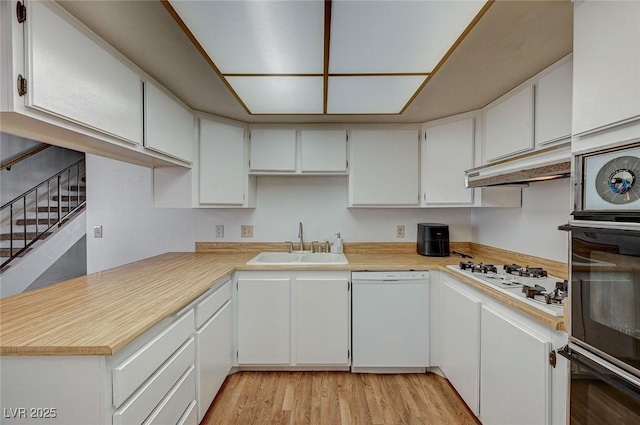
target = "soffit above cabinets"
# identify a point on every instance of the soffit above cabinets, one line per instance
(513, 41)
(324, 56)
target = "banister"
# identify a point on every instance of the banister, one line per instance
(7, 165)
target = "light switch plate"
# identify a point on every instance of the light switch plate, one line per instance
(246, 231)
(97, 231)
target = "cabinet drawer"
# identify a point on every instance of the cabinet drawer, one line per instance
(143, 363)
(174, 405)
(189, 417)
(138, 408)
(211, 304)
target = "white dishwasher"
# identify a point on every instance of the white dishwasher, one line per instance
(390, 321)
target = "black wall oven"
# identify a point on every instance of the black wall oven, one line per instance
(604, 290)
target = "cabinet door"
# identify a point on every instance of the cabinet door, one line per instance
(384, 168)
(553, 105)
(322, 321)
(264, 334)
(273, 150)
(460, 342)
(323, 151)
(510, 356)
(73, 77)
(509, 125)
(168, 125)
(213, 357)
(606, 63)
(447, 153)
(223, 175)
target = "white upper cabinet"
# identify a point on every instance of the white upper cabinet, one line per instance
(287, 151)
(223, 166)
(273, 150)
(323, 151)
(73, 77)
(169, 126)
(383, 167)
(447, 151)
(553, 105)
(606, 64)
(508, 125)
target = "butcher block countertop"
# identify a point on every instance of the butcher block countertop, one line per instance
(99, 314)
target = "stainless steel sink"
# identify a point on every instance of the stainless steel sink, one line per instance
(297, 258)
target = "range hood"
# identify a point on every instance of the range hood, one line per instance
(544, 164)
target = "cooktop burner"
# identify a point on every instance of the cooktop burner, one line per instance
(525, 271)
(541, 294)
(478, 268)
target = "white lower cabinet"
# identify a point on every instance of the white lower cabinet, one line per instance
(515, 373)
(322, 321)
(460, 341)
(169, 375)
(293, 318)
(264, 317)
(497, 359)
(214, 345)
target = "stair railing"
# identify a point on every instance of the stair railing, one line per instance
(53, 186)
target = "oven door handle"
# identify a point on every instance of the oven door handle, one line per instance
(617, 381)
(624, 229)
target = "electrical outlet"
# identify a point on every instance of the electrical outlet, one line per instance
(400, 231)
(97, 231)
(219, 231)
(246, 231)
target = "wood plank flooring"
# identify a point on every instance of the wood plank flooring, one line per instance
(337, 398)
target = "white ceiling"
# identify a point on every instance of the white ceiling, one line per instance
(512, 42)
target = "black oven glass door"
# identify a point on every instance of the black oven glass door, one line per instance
(605, 292)
(599, 396)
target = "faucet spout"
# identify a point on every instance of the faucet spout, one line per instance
(300, 236)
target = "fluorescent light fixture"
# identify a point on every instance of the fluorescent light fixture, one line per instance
(371, 95)
(280, 95)
(258, 37)
(273, 53)
(395, 36)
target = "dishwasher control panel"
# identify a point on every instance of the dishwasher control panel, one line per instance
(390, 276)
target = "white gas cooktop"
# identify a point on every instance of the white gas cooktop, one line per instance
(512, 285)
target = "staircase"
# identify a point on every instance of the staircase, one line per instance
(35, 215)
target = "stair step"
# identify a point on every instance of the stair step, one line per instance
(67, 198)
(53, 209)
(20, 236)
(74, 188)
(6, 252)
(35, 221)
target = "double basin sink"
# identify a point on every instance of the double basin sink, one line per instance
(297, 258)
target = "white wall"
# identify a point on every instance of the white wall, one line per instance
(32, 171)
(532, 229)
(73, 263)
(320, 203)
(119, 197)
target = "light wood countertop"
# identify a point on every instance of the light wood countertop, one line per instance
(101, 313)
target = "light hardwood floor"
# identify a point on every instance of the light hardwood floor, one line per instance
(337, 398)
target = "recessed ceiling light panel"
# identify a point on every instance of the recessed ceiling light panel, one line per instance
(371, 95)
(280, 95)
(395, 36)
(258, 37)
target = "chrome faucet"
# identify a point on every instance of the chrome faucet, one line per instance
(300, 236)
